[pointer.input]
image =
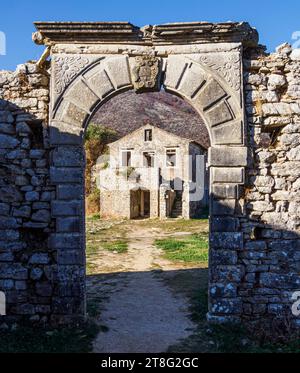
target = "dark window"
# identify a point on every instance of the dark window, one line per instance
(148, 135)
(171, 157)
(126, 158)
(148, 159)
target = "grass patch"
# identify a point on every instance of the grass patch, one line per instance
(117, 246)
(193, 248)
(63, 340)
(94, 217)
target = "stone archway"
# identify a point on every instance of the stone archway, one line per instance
(206, 71)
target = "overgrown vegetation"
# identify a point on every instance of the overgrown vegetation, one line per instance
(96, 139)
(93, 202)
(193, 248)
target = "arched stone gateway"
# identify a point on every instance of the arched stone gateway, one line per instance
(219, 69)
(208, 75)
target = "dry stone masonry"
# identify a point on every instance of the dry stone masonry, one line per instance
(26, 263)
(250, 102)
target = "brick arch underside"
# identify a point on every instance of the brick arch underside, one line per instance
(223, 114)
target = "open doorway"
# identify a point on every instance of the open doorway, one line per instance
(140, 226)
(139, 203)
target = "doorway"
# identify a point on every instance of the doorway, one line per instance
(139, 203)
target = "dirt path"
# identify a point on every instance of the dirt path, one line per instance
(139, 311)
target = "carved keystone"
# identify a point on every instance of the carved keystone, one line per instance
(146, 74)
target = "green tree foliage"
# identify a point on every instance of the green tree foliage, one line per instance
(95, 141)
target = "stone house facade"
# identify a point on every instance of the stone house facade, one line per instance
(152, 173)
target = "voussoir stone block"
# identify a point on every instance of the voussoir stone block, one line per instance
(209, 94)
(100, 83)
(118, 71)
(192, 81)
(218, 114)
(176, 66)
(81, 95)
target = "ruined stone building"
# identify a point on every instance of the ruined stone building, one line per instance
(152, 173)
(250, 103)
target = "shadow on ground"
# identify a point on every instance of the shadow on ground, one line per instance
(144, 311)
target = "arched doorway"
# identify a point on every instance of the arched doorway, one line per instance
(208, 76)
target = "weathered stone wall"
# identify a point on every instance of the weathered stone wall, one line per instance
(25, 218)
(271, 254)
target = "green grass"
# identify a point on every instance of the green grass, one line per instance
(94, 217)
(193, 248)
(27, 339)
(119, 246)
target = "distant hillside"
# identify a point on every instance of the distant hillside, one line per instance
(129, 111)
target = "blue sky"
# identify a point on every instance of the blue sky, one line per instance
(275, 20)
